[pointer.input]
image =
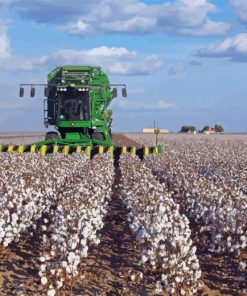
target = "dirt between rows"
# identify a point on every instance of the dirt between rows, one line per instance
(109, 268)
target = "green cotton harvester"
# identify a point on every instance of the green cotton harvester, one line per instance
(76, 104)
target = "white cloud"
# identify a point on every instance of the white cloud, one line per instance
(114, 60)
(190, 17)
(4, 43)
(179, 17)
(207, 28)
(234, 48)
(136, 24)
(78, 27)
(160, 105)
(241, 9)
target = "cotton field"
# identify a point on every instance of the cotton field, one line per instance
(208, 179)
(171, 224)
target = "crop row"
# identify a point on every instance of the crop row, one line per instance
(163, 233)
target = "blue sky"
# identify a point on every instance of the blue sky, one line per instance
(184, 61)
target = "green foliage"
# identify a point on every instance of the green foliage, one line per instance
(188, 128)
(219, 128)
(206, 128)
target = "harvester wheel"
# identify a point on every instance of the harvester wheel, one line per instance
(51, 135)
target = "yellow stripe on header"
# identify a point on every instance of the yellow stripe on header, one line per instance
(10, 149)
(43, 150)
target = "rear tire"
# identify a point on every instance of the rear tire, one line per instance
(51, 135)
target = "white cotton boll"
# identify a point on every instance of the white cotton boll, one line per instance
(43, 267)
(14, 217)
(2, 234)
(243, 245)
(152, 262)
(97, 241)
(242, 265)
(8, 228)
(243, 238)
(162, 247)
(10, 205)
(40, 273)
(51, 292)
(59, 208)
(178, 279)
(134, 227)
(83, 242)
(59, 284)
(73, 245)
(71, 257)
(6, 242)
(42, 259)
(144, 259)
(68, 270)
(158, 287)
(44, 281)
(13, 222)
(47, 257)
(53, 253)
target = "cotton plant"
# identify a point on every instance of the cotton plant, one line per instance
(30, 185)
(75, 222)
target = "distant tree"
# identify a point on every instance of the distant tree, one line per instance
(187, 129)
(206, 128)
(219, 128)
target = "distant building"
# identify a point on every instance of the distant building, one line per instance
(211, 130)
(151, 131)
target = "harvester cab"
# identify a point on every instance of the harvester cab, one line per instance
(76, 104)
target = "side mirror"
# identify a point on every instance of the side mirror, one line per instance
(114, 92)
(32, 93)
(124, 92)
(21, 93)
(46, 92)
(100, 91)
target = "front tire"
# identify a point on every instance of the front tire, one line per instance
(51, 135)
(98, 136)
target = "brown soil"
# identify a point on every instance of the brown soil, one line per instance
(122, 140)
